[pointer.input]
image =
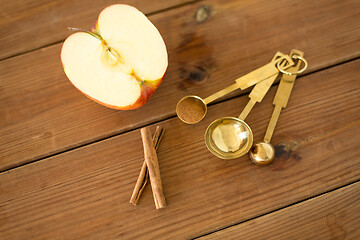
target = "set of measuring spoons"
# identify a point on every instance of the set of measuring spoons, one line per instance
(230, 137)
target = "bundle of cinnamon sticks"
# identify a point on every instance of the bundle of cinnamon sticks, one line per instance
(150, 168)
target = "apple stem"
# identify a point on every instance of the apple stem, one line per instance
(86, 31)
(114, 55)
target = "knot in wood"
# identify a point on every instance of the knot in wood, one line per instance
(202, 13)
(195, 75)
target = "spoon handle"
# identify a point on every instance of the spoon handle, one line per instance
(261, 88)
(247, 109)
(271, 127)
(221, 93)
(264, 72)
(282, 96)
(254, 77)
(257, 94)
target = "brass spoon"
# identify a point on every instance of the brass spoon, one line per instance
(230, 137)
(263, 153)
(192, 109)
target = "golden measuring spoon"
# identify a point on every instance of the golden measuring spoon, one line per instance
(230, 137)
(263, 153)
(192, 109)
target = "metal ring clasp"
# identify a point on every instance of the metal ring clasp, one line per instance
(278, 65)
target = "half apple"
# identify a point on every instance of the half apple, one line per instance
(121, 62)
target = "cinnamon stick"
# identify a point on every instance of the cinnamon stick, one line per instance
(144, 173)
(153, 168)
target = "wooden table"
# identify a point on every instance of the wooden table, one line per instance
(69, 165)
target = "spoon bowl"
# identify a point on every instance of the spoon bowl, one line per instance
(228, 138)
(191, 109)
(262, 153)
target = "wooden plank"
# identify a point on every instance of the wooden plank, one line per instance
(41, 113)
(32, 24)
(334, 215)
(85, 193)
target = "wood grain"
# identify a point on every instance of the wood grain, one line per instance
(32, 24)
(41, 113)
(334, 215)
(84, 193)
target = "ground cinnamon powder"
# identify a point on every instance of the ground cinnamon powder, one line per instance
(191, 110)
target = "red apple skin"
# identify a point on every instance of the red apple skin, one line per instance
(147, 90)
(147, 87)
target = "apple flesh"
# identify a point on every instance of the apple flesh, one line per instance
(121, 62)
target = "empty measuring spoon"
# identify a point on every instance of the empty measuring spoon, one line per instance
(230, 137)
(263, 153)
(192, 109)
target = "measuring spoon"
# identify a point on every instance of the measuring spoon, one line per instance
(192, 109)
(230, 137)
(263, 153)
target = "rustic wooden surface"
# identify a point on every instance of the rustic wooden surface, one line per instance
(68, 165)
